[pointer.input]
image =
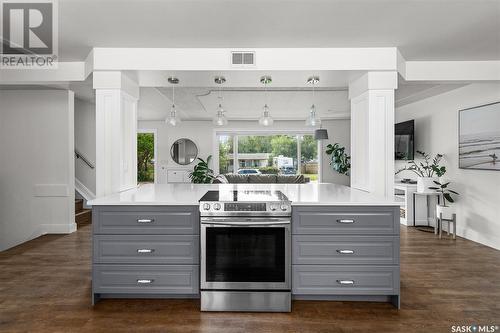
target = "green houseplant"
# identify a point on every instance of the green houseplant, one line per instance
(445, 192)
(427, 170)
(202, 174)
(339, 160)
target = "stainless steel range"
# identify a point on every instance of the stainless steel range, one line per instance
(245, 251)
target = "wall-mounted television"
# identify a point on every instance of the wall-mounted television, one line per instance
(404, 140)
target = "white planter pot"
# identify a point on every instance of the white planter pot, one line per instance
(447, 211)
(423, 184)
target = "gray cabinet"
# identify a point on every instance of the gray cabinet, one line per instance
(146, 279)
(351, 220)
(345, 280)
(150, 249)
(145, 251)
(331, 250)
(349, 252)
(133, 220)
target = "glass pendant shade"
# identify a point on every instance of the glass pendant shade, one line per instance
(173, 119)
(266, 119)
(313, 119)
(220, 119)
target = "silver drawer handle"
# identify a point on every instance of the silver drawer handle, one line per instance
(345, 221)
(145, 250)
(145, 281)
(346, 282)
(345, 251)
(145, 220)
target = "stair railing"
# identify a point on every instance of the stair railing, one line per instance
(84, 159)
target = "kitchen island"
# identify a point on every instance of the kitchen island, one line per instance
(345, 242)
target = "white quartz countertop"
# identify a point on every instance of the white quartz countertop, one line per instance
(300, 194)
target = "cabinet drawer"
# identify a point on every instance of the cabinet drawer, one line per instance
(146, 249)
(345, 280)
(349, 250)
(346, 220)
(146, 279)
(182, 220)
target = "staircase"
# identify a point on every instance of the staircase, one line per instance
(82, 216)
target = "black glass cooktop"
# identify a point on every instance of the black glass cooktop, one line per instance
(244, 196)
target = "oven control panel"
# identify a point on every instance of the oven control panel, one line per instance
(244, 208)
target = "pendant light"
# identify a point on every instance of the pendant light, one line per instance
(266, 119)
(313, 119)
(320, 134)
(173, 119)
(220, 119)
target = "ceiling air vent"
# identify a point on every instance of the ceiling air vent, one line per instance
(243, 58)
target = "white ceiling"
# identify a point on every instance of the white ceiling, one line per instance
(285, 103)
(422, 29)
(289, 97)
(242, 104)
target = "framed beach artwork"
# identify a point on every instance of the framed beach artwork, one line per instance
(479, 137)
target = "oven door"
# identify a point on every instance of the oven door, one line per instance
(245, 253)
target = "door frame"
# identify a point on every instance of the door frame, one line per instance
(153, 131)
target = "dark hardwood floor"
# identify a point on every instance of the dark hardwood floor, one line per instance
(45, 287)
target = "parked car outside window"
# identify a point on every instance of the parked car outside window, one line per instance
(248, 172)
(288, 171)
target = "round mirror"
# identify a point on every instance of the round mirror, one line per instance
(183, 151)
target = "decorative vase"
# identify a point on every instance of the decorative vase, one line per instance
(447, 211)
(423, 184)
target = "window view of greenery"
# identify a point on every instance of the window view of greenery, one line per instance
(226, 154)
(270, 154)
(309, 157)
(145, 157)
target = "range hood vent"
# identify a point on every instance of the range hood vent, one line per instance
(246, 58)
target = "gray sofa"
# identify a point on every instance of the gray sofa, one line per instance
(260, 179)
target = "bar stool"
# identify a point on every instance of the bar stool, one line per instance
(440, 221)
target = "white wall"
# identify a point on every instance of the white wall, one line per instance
(116, 141)
(339, 131)
(436, 131)
(37, 165)
(201, 132)
(85, 142)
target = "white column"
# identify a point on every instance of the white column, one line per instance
(372, 132)
(116, 131)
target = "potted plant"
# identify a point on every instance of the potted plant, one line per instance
(202, 174)
(339, 160)
(442, 188)
(427, 171)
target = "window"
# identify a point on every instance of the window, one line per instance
(269, 153)
(146, 151)
(225, 154)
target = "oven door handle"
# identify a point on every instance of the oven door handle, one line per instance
(217, 219)
(246, 223)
